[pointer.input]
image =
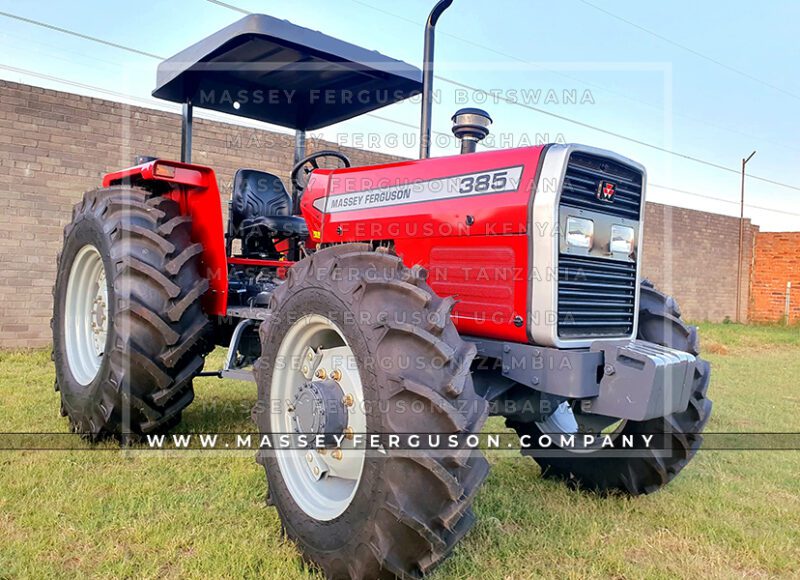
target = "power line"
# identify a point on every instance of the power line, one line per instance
(150, 103)
(510, 101)
(722, 199)
(22, 42)
(139, 52)
(48, 77)
(581, 123)
(79, 35)
(617, 135)
(694, 193)
(690, 50)
(229, 6)
(605, 88)
(242, 11)
(463, 85)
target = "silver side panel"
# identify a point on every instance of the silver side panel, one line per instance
(545, 237)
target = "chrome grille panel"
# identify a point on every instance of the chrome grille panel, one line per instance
(596, 298)
(597, 293)
(581, 298)
(584, 174)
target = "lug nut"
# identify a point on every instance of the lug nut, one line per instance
(322, 451)
(321, 374)
(309, 457)
(337, 454)
(348, 400)
(348, 432)
(310, 356)
(316, 470)
(336, 375)
(305, 369)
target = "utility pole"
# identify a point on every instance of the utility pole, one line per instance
(741, 245)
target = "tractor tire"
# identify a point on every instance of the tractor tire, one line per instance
(600, 470)
(124, 365)
(407, 510)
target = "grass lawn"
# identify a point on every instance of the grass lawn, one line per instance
(107, 514)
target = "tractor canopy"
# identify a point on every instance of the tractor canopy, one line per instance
(271, 70)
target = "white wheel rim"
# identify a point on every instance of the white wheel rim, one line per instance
(321, 485)
(563, 421)
(86, 316)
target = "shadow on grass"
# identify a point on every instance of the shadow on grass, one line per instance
(220, 405)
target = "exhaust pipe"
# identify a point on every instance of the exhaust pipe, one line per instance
(427, 78)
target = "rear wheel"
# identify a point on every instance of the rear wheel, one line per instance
(356, 334)
(128, 328)
(645, 471)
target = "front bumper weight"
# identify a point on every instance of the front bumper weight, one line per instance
(626, 379)
(642, 380)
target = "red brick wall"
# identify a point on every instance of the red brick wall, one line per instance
(56, 145)
(777, 261)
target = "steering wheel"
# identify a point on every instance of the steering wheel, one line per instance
(301, 172)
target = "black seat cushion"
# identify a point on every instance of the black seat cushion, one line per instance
(257, 194)
(261, 214)
(277, 226)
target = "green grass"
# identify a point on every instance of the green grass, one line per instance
(108, 514)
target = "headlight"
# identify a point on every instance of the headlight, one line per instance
(621, 239)
(580, 233)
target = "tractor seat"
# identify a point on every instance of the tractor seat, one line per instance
(261, 213)
(279, 226)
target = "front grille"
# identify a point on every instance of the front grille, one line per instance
(582, 179)
(596, 297)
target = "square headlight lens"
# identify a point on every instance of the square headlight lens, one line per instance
(580, 233)
(622, 239)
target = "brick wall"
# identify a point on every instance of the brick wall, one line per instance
(692, 255)
(55, 145)
(777, 261)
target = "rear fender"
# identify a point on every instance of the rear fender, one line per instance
(194, 187)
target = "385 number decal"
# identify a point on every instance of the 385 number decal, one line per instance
(484, 183)
(460, 186)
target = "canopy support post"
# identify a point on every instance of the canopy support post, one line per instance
(186, 132)
(299, 145)
(299, 153)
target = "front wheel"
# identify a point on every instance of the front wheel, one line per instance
(644, 472)
(357, 343)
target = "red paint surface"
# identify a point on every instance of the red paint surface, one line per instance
(483, 265)
(475, 248)
(194, 187)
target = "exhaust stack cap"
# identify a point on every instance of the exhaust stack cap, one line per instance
(470, 126)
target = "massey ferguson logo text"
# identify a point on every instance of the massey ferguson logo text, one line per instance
(606, 191)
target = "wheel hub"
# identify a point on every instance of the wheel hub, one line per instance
(318, 408)
(86, 314)
(98, 316)
(323, 395)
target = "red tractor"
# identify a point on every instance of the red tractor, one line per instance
(408, 298)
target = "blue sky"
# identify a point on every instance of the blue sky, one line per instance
(626, 81)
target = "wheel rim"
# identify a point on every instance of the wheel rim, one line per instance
(86, 317)
(563, 421)
(322, 484)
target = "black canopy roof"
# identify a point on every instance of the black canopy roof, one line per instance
(274, 71)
